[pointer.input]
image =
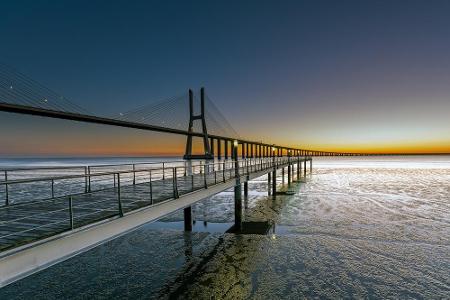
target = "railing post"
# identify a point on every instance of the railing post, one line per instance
(246, 163)
(85, 180)
(118, 196)
(175, 184)
(204, 176)
(164, 175)
(89, 178)
(134, 174)
(223, 172)
(6, 189)
(71, 212)
(151, 186)
(289, 167)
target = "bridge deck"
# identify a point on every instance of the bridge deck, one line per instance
(25, 223)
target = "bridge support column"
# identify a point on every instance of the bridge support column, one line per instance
(219, 149)
(211, 143)
(282, 175)
(187, 218)
(298, 169)
(226, 149)
(206, 146)
(304, 169)
(269, 182)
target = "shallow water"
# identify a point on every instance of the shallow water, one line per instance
(358, 228)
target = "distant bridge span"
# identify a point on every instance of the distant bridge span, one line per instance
(248, 148)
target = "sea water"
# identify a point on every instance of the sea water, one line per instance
(362, 227)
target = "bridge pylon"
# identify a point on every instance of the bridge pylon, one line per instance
(206, 146)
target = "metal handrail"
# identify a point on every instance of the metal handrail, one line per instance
(247, 165)
(120, 204)
(62, 177)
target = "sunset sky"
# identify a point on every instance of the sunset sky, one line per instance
(361, 76)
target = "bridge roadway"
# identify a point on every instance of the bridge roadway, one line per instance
(223, 143)
(37, 234)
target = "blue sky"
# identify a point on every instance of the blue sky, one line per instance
(331, 75)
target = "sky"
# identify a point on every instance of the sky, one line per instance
(357, 76)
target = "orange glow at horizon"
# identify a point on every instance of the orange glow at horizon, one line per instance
(49, 137)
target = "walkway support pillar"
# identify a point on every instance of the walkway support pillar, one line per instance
(246, 187)
(274, 176)
(237, 190)
(304, 169)
(187, 218)
(269, 177)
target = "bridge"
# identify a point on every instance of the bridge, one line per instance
(51, 213)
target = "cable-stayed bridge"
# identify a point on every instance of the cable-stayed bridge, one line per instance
(21, 94)
(48, 214)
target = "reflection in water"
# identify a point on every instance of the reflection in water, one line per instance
(373, 228)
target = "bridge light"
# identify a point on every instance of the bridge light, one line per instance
(236, 143)
(10, 87)
(273, 149)
(45, 100)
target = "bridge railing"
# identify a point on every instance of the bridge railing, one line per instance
(54, 171)
(37, 186)
(45, 188)
(73, 201)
